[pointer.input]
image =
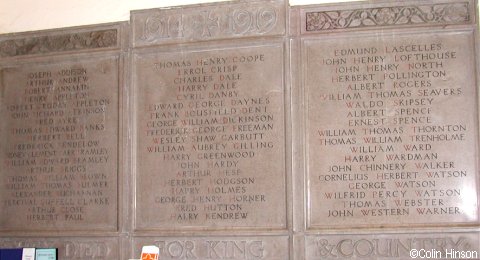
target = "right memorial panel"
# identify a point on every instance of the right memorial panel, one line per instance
(386, 129)
(391, 130)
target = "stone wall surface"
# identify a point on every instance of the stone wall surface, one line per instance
(246, 130)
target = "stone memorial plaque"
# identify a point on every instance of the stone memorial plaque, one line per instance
(210, 138)
(444, 245)
(391, 122)
(70, 247)
(384, 133)
(238, 247)
(59, 141)
(207, 22)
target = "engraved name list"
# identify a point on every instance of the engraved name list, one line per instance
(209, 125)
(59, 146)
(401, 147)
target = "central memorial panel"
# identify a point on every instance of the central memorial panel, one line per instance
(210, 139)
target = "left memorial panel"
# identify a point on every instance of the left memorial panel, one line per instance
(59, 142)
(61, 139)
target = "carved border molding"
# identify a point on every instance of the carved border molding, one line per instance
(450, 13)
(59, 43)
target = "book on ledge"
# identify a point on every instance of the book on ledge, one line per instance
(46, 254)
(28, 253)
(11, 254)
